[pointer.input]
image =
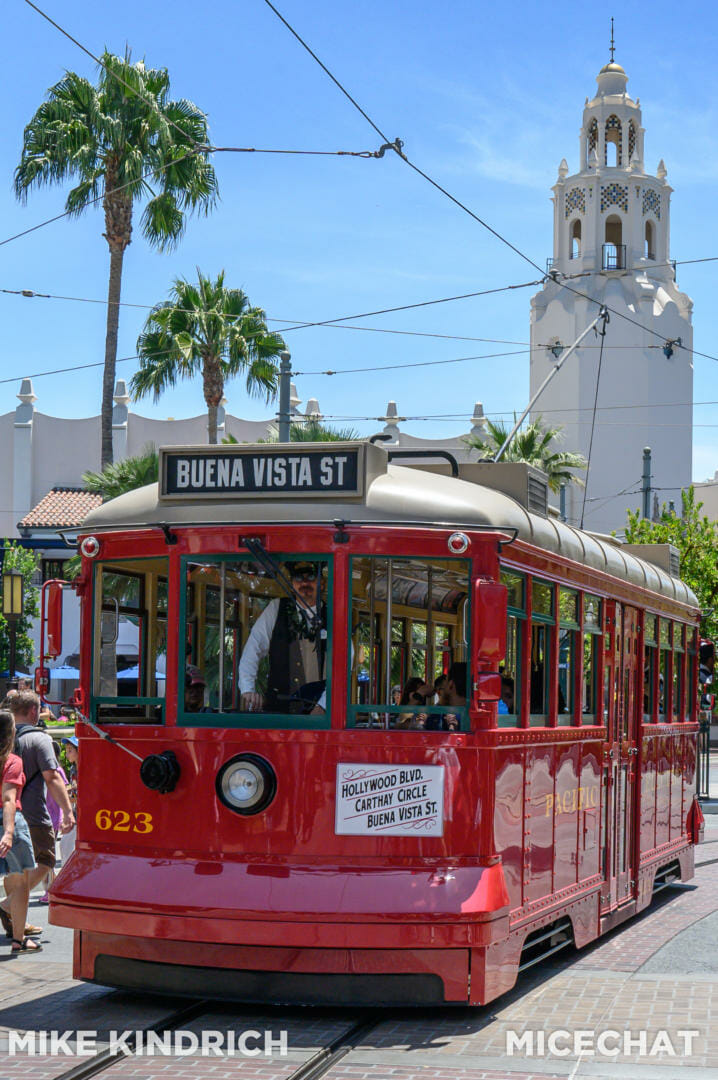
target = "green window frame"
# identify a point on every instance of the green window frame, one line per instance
(131, 708)
(515, 629)
(382, 712)
(568, 637)
(591, 643)
(664, 653)
(678, 701)
(543, 619)
(254, 721)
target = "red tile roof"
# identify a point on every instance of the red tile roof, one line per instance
(61, 508)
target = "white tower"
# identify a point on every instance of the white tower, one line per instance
(611, 244)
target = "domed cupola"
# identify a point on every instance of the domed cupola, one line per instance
(611, 243)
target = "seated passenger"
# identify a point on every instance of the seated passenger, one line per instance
(507, 703)
(194, 688)
(452, 691)
(292, 633)
(414, 693)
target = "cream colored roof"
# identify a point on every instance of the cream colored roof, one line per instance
(404, 496)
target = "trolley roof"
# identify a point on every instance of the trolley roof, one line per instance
(389, 494)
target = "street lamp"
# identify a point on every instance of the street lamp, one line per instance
(12, 603)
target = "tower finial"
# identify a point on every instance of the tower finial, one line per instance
(613, 44)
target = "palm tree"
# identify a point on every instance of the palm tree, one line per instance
(533, 445)
(126, 475)
(207, 329)
(123, 140)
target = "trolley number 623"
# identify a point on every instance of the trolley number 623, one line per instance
(124, 821)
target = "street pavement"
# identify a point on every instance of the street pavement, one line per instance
(658, 973)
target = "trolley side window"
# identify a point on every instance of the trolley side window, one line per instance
(409, 622)
(256, 641)
(692, 674)
(591, 654)
(543, 621)
(678, 677)
(568, 636)
(650, 669)
(130, 641)
(509, 707)
(664, 666)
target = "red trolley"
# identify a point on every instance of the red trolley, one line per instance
(263, 818)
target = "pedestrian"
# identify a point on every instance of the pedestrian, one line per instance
(40, 766)
(54, 810)
(16, 856)
(72, 753)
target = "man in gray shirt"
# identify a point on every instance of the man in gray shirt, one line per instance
(41, 774)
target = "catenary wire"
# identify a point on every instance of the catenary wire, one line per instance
(130, 183)
(396, 146)
(499, 236)
(98, 60)
(32, 294)
(337, 325)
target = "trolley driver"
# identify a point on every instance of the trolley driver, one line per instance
(292, 633)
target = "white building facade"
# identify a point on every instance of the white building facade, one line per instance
(611, 245)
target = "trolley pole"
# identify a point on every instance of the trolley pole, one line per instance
(603, 314)
(646, 482)
(285, 375)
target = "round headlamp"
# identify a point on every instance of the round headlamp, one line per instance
(246, 784)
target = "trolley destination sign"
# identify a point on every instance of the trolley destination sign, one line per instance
(249, 472)
(390, 800)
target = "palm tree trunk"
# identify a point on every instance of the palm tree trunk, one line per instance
(118, 233)
(213, 387)
(211, 423)
(108, 380)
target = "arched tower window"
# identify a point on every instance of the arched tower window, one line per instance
(650, 246)
(592, 137)
(575, 240)
(631, 139)
(614, 252)
(613, 155)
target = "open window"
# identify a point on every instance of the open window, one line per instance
(613, 151)
(649, 248)
(543, 619)
(575, 239)
(409, 644)
(256, 642)
(130, 640)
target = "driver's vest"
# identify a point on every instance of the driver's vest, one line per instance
(293, 662)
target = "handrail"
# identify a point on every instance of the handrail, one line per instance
(427, 453)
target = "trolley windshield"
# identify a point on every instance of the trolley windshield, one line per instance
(256, 640)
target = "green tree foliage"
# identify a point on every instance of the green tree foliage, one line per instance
(27, 562)
(117, 478)
(124, 141)
(314, 431)
(209, 330)
(696, 538)
(122, 476)
(533, 444)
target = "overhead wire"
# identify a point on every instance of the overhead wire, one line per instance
(396, 145)
(499, 236)
(98, 60)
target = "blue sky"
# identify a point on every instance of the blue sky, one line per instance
(486, 99)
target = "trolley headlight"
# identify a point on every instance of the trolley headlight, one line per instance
(246, 784)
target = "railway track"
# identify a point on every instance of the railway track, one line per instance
(314, 1068)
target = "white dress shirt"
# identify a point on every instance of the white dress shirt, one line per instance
(258, 642)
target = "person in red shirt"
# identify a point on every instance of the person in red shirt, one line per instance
(16, 854)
